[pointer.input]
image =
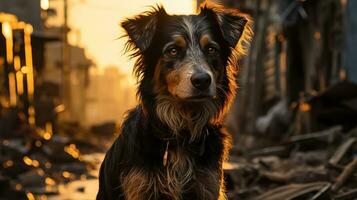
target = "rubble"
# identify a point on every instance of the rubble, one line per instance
(35, 161)
(346, 174)
(294, 191)
(320, 165)
(315, 159)
(313, 166)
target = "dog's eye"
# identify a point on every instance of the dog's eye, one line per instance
(211, 50)
(173, 52)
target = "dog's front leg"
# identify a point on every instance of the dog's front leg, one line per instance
(137, 185)
(209, 185)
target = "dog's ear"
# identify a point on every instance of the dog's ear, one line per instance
(232, 23)
(141, 29)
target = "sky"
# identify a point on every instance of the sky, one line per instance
(97, 23)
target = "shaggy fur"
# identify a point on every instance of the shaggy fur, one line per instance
(172, 145)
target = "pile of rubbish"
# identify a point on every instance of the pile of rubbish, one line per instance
(301, 165)
(34, 161)
(320, 165)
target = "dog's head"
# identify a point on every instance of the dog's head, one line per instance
(188, 59)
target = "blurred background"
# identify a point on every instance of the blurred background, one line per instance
(65, 84)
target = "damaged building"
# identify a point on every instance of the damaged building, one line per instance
(35, 154)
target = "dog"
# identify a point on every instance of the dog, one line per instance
(172, 145)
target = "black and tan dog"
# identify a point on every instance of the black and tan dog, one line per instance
(172, 145)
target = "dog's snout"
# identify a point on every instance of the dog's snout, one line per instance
(201, 80)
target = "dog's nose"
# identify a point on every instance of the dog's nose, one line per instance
(201, 80)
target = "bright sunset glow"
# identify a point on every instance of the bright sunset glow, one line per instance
(98, 23)
(44, 4)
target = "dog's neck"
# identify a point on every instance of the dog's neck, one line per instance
(182, 129)
(165, 133)
(182, 120)
(167, 137)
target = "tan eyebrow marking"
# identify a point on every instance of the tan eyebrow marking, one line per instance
(180, 41)
(204, 40)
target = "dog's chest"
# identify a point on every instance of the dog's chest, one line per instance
(168, 181)
(180, 170)
(180, 166)
(180, 175)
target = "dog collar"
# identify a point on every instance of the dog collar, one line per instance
(166, 153)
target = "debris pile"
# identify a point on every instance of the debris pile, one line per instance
(35, 161)
(313, 166)
(315, 159)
